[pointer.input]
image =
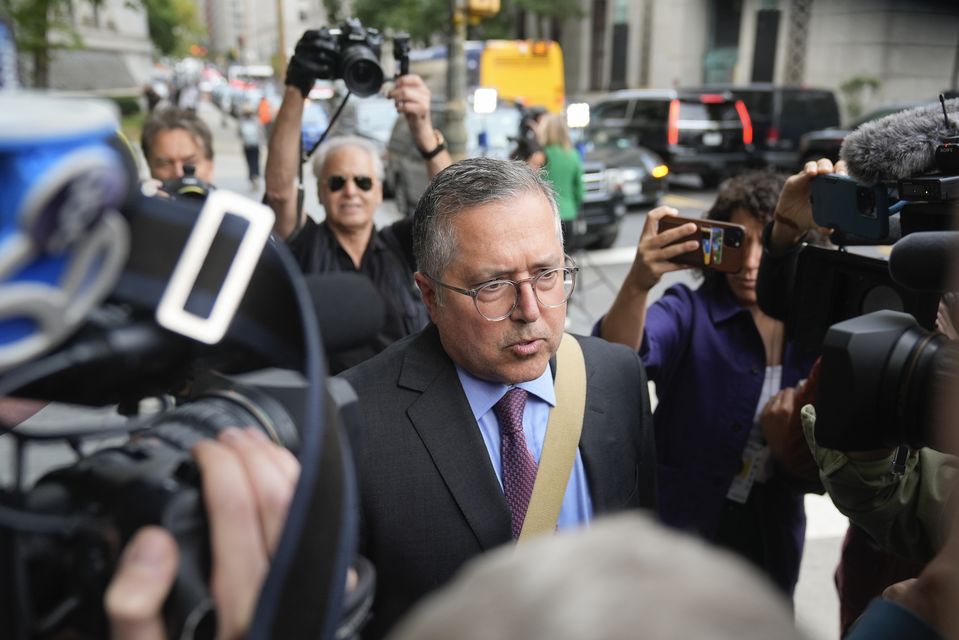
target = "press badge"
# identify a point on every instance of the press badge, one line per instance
(754, 468)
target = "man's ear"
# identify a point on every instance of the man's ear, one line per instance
(427, 290)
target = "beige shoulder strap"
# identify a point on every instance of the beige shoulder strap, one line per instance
(562, 438)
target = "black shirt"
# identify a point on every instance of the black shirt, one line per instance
(387, 261)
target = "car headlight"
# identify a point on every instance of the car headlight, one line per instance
(631, 179)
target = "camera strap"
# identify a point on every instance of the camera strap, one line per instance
(275, 318)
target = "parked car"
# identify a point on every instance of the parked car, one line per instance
(640, 173)
(826, 143)
(693, 132)
(492, 135)
(780, 116)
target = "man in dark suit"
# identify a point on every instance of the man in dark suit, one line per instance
(439, 482)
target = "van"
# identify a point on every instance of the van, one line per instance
(780, 116)
(698, 132)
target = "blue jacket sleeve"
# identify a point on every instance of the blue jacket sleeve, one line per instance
(886, 620)
(669, 323)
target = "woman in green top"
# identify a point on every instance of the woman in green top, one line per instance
(563, 169)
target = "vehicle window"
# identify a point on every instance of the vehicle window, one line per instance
(758, 103)
(375, 118)
(650, 111)
(700, 111)
(804, 111)
(610, 110)
(499, 127)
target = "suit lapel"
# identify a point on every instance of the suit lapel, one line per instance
(600, 446)
(444, 422)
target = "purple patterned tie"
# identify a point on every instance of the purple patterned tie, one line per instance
(519, 467)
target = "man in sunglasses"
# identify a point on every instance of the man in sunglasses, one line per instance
(453, 418)
(349, 175)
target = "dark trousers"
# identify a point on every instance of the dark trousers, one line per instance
(252, 161)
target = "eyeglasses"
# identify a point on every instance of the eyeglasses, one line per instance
(496, 300)
(335, 183)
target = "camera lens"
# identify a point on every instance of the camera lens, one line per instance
(881, 373)
(361, 71)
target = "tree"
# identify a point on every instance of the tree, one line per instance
(422, 19)
(42, 26)
(173, 25)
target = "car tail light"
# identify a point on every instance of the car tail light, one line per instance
(747, 123)
(712, 98)
(673, 131)
(660, 171)
(772, 136)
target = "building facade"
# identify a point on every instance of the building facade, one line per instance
(871, 52)
(117, 52)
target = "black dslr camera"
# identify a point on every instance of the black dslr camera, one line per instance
(357, 52)
(187, 186)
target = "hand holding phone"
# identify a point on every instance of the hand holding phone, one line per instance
(719, 245)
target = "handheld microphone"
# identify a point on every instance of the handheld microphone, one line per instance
(921, 261)
(900, 145)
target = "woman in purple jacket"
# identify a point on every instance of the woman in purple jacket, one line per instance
(717, 360)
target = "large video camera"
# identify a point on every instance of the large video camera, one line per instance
(357, 55)
(883, 363)
(114, 297)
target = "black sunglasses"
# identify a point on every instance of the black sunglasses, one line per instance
(335, 183)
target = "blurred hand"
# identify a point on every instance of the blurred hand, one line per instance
(934, 594)
(315, 56)
(945, 321)
(794, 210)
(248, 483)
(653, 254)
(412, 98)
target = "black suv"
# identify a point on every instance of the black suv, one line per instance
(780, 116)
(825, 143)
(692, 131)
(603, 205)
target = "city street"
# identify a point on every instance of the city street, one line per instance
(601, 274)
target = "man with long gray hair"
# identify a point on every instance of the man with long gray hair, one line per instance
(453, 419)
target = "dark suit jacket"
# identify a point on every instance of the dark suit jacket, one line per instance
(430, 499)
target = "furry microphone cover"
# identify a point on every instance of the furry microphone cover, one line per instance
(900, 145)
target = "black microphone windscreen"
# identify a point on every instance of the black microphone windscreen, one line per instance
(349, 308)
(900, 145)
(922, 261)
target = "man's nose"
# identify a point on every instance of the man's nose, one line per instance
(527, 306)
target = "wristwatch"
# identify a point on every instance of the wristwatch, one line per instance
(435, 151)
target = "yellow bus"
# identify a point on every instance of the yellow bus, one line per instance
(522, 71)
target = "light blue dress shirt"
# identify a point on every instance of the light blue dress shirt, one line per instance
(577, 506)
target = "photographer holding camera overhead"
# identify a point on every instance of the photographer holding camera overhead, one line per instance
(349, 174)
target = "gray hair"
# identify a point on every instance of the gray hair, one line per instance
(463, 185)
(169, 118)
(623, 577)
(328, 147)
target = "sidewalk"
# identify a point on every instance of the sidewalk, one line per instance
(231, 171)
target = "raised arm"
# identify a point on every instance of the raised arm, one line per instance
(626, 319)
(314, 57)
(412, 98)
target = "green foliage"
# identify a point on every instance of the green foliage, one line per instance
(128, 105)
(425, 19)
(422, 19)
(334, 11)
(41, 26)
(173, 25)
(854, 91)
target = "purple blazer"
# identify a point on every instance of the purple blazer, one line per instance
(706, 356)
